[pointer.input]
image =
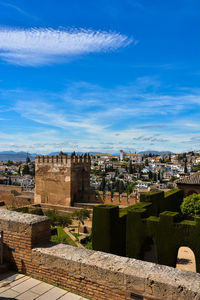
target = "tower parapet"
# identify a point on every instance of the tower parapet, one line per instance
(62, 159)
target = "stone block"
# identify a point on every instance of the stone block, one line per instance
(124, 199)
(107, 198)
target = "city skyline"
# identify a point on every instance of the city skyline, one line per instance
(99, 76)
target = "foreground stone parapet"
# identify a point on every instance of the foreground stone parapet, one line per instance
(21, 232)
(19, 218)
(94, 274)
(107, 276)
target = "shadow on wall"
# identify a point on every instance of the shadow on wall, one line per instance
(149, 252)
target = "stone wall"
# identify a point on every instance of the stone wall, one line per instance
(96, 275)
(189, 189)
(21, 232)
(9, 188)
(13, 196)
(62, 180)
(117, 199)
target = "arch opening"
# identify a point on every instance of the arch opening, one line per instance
(191, 192)
(186, 259)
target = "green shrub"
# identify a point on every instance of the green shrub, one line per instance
(35, 211)
(63, 220)
(21, 209)
(58, 220)
(81, 214)
(191, 205)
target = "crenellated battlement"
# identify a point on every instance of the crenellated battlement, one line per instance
(62, 159)
(117, 199)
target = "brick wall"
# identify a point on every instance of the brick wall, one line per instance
(93, 274)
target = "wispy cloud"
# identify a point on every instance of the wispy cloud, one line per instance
(40, 46)
(91, 117)
(19, 10)
(12, 6)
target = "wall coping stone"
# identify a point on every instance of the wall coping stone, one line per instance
(22, 218)
(112, 270)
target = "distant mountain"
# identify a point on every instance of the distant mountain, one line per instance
(15, 156)
(155, 152)
(21, 156)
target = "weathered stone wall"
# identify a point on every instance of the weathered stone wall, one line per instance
(94, 274)
(106, 276)
(62, 180)
(13, 196)
(63, 209)
(9, 188)
(117, 199)
(21, 232)
(189, 189)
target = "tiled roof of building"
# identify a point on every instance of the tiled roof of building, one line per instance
(192, 179)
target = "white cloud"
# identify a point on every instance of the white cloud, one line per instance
(46, 45)
(91, 117)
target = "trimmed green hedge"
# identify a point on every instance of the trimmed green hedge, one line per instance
(170, 200)
(104, 231)
(127, 231)
(173, 200)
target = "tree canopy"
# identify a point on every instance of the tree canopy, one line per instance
(191, 205)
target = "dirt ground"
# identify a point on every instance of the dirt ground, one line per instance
(186, 260)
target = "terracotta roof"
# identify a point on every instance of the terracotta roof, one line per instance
(192, 179)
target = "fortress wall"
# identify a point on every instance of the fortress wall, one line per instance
(117, 199)
(11, 200)
(93, 197)
(107, 198)
(132, 199)
(28, 194)
(101, 197)
(93, 274)
(53, 183)
(9, 188)
(62, 179)
(13, 196)
(124, 199)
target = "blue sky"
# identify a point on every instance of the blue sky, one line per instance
(99, 76)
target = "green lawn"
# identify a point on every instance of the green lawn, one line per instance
(88, 245)
(58, 235)
(76, 235)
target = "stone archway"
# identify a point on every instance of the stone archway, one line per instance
(191, 192)
(186, 259)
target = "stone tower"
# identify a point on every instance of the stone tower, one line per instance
(62, 179)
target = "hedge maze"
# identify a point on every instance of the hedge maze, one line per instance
(155, 220)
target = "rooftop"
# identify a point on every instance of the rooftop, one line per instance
(192, 179)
